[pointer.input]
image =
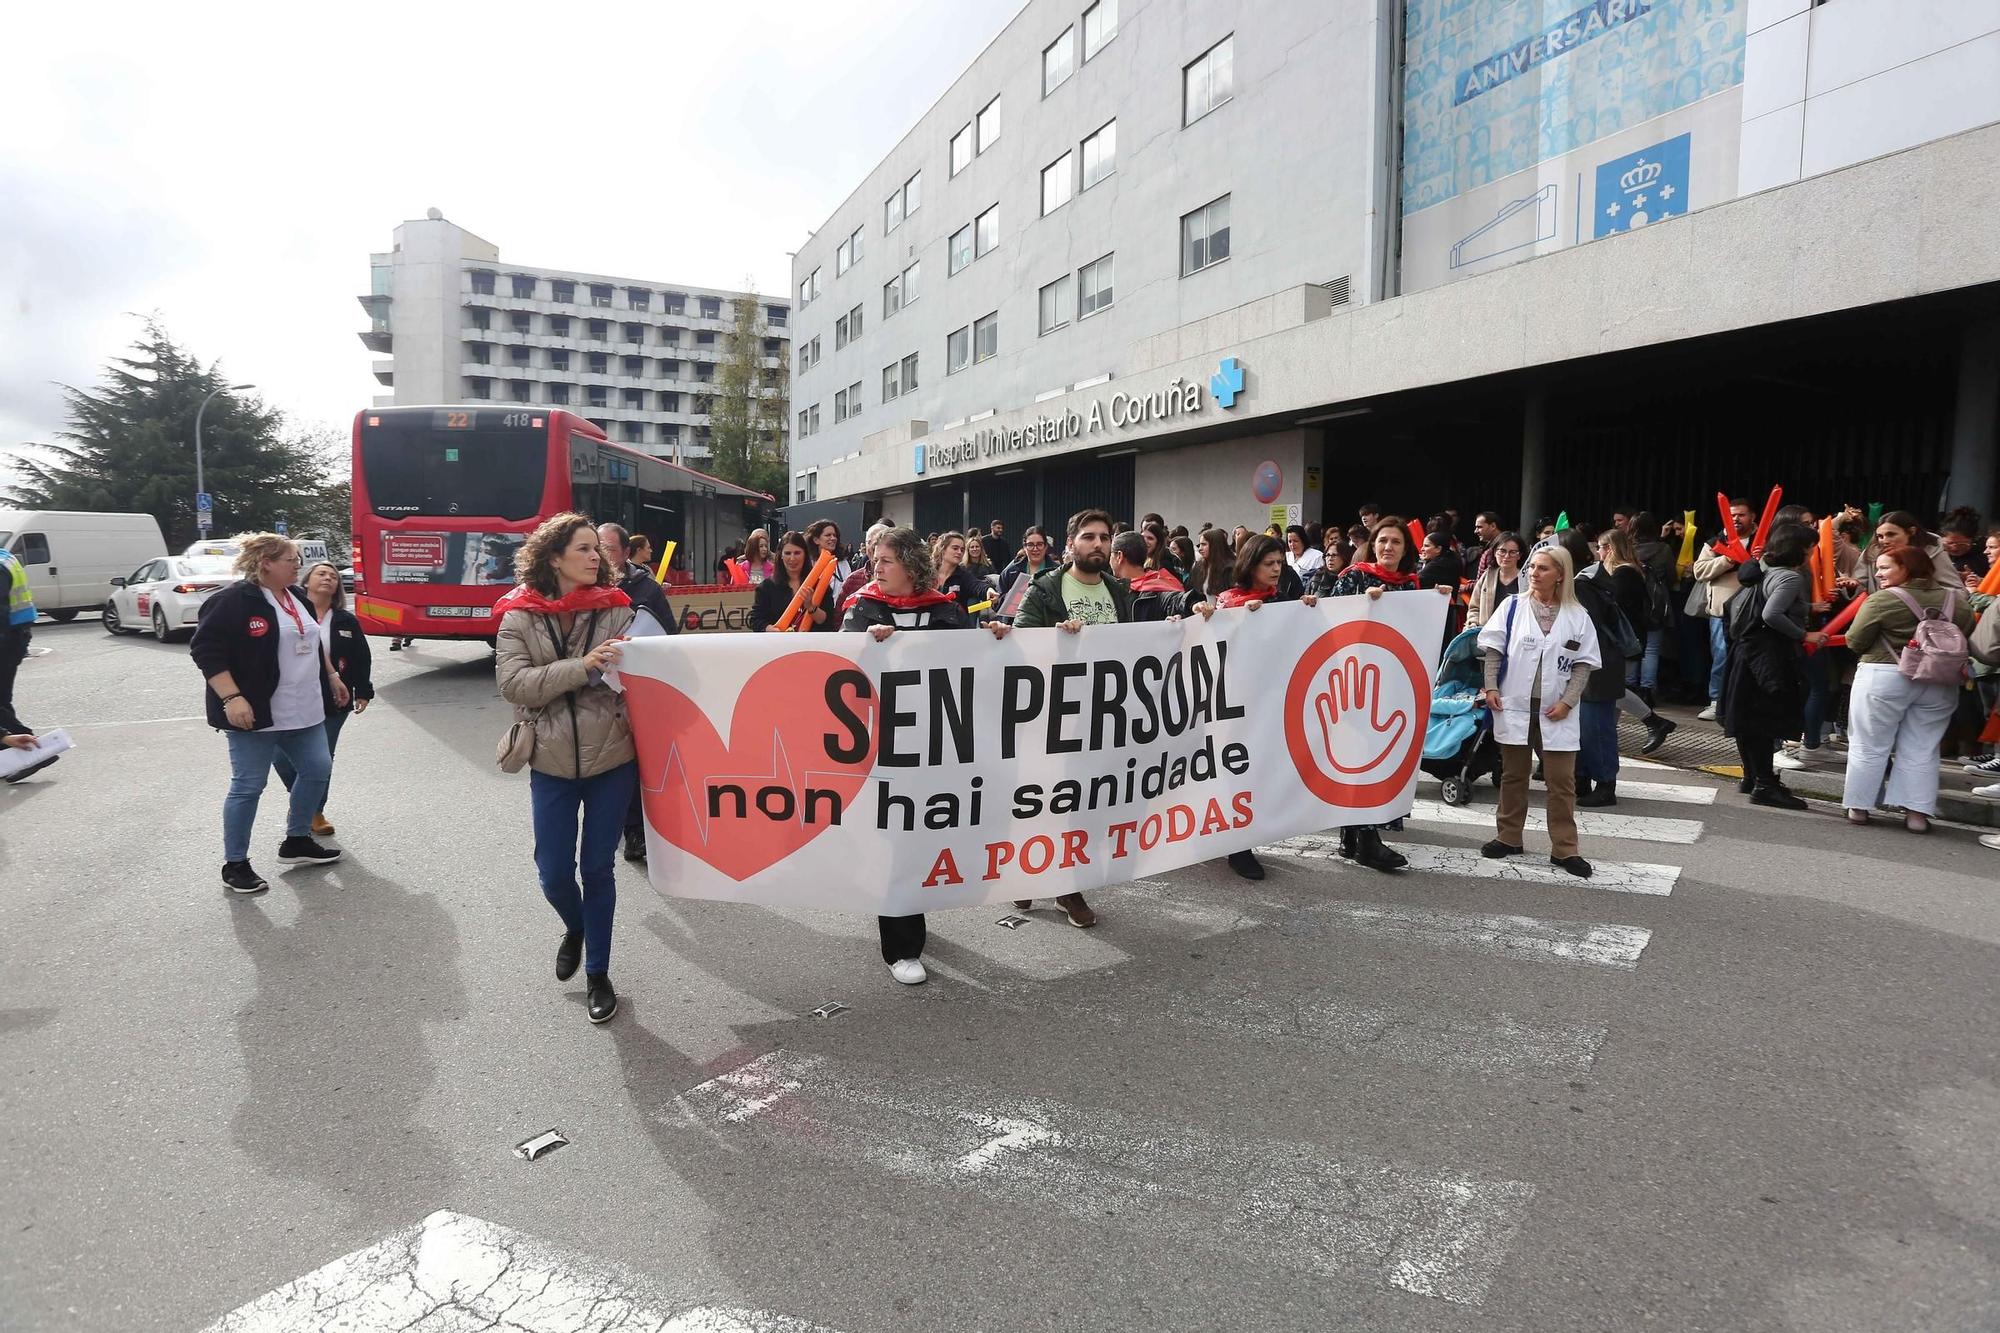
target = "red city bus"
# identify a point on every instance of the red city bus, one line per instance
(445, 496)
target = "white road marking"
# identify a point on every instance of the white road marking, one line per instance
(1644, 877)
(1681, 793)
(1251, 1201)
(1516, 936)
(1589, 823)
(453, 1272)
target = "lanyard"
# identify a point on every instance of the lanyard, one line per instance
(285, 605)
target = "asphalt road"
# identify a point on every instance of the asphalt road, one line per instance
(1766, 1099)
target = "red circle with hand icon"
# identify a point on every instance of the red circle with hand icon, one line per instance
(1332, 682)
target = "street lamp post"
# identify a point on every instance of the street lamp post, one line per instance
(200, 489)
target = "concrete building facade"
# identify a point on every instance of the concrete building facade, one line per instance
(1490, 254)
(640, 358)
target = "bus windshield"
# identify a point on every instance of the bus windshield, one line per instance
(430, 464)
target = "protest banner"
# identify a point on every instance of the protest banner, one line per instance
(712, 608)
(945, 769)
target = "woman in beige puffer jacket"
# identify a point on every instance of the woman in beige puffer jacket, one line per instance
(559, 630)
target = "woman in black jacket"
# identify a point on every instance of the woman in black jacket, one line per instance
(348, 647)
(774, 595)
(263, 654)
(900, 597)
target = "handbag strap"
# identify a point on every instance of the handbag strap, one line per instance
(1513, 604)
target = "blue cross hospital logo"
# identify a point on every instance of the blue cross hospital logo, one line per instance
(919, 463)
(1226, 382)
(1642, 187)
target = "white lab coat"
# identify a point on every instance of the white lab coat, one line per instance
(1530, 654)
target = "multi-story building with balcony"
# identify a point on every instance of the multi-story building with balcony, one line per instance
(639, 358)
(1236, 261)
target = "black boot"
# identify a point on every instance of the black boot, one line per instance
(1371, 851)
(1600, 794)
(1657, 730)
(1347, 843)
(635, 844)
(1246, 864)
(1776, 795)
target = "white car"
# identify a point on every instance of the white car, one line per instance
(166, 595)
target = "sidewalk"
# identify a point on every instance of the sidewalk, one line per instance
(1702, 745)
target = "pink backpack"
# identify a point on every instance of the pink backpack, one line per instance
(1936, 654)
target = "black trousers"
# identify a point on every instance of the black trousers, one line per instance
(902, 936)
(1757, 750)
(13, 649)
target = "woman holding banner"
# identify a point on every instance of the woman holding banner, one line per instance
(559, 631)
(774, 595)
(900, 597)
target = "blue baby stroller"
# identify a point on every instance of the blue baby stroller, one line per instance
(1459, 748)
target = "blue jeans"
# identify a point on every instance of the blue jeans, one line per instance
(1819, 695)
(286, 773)
(251, 754)
(1718, 659)
(601, 800)
(1597, 752)
(1644, 670)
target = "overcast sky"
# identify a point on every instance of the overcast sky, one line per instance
(231, 167)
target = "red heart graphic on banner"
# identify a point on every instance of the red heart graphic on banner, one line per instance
(745, 806)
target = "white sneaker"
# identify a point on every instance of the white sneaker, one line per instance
(1990, 840)
(1787, 762)
(1707, 714)
(1990, 792)
(909, 971)
(1989, 766)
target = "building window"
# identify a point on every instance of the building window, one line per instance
(843, 260)
(597, 330)
(635, 333)
(481, 318)
(961, 250)
(773, 347)
(1058, 61)
(635, 366)
(559, 359)
(913, 193)
(559, 325)
(1055, 304)
(776, 316)
(711, 306)
(854, 324)
(892, 296)
(677, 303)
(1205, 84)
(1205, 236)
(518, 355)
(519, 321)
(854, 399)
(1100, 25)
(635, 398)
(638, 298)
(805, 427)
(814, 345)
(599, 363)
(634, 433)
(988, 225)
(524, 288)
(520, 390)
(670, 336)
(704, 337)
(892, 212)
(559, 395)
(482, 282)
(957, 351)
(1100, 154)
(670, 433)
(961, 150)
(812, 415)
(1093, 287)
(1058, 183)
(986, 337)
(808, 289)
(911, 276)
(905, 201)
(704, 372)
(854, 246)
(989, 125)
(840, 333)
(890, 386)
(910, 373)
(839, 406)
(481, 353)
(670, 370)
(480, 387)
(562, 292)
(670, 402)
(600, 294)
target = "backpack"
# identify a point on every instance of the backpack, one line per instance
(1616, 639)
(1743, 614)
(1659, 598)
(1936, 654)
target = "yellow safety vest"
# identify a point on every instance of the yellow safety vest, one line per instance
(20, 601)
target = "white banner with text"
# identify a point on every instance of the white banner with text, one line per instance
(943, 769)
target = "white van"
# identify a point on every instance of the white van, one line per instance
(71, 556)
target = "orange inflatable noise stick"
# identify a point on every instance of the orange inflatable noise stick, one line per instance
(811, 588)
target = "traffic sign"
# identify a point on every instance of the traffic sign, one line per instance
(283, 527)
(204, 503)
(204, 521)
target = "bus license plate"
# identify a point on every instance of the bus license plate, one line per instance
(460, 612)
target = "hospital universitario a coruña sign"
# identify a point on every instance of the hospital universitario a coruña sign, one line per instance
(1123, 409)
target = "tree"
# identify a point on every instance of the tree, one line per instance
(746, 420)
(128, 447)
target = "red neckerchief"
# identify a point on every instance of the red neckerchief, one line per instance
(592, 598)
(1395, 578)
(1229, 597)
(1156, 580)
(921, 598)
